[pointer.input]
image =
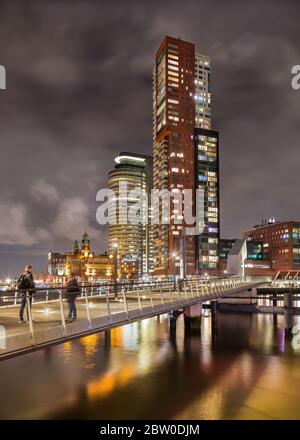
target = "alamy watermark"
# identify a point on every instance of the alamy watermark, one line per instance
(296, 337)
(2, 338)
(136, 206)
(2, 78)
(296, 78)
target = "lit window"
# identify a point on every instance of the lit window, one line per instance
(173, 101)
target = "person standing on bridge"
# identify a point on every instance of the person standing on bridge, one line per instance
(26, 282)
(72, 291)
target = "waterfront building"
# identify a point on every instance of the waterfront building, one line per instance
(88, 266)
(182, 113)
(207, 179)
(202, 92)
(246, 258)
(280, 241)
(81, 261)
(225, 247)
(133, 243)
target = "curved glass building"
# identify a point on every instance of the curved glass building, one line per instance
(129, 230)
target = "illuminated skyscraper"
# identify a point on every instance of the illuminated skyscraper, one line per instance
(202, 92)
(134, 241)
(207, 178)
(181, 104)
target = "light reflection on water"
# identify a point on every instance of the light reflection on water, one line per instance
(246, 368)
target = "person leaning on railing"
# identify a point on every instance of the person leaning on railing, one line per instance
(72, 291)
(26, 282)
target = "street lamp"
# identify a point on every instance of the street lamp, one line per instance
(115, 246)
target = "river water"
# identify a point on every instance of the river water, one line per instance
(245, 369)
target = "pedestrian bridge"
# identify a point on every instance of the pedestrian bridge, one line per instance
(101, 307)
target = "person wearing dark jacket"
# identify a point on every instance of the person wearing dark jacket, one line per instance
(26, 282)
(72, 291)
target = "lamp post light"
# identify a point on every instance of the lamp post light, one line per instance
(115, 246)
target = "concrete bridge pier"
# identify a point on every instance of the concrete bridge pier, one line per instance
(173, 315)
(275, 321)
(274, 300)
(192, 319)
(288, 312)
(107, 340)
(214, 319)
(288, 300)
(274, 304)
(253, 295)
(173, 322)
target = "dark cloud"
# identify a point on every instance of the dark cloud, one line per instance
(79, 78)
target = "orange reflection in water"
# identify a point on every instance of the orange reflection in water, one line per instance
(67, 350)
(110, 381)
(90, 344)
(117, 337)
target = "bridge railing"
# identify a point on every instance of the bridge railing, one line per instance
(98, 308)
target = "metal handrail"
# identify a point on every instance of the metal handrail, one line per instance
(160, 285)
(95, 315)
(130, 284)
(94, 287)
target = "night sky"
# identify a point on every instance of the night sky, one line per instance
(79, 91)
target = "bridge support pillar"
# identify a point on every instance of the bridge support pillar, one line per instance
(107, 339)
(274, 304)
(288, 312)
(288, 300)
(192, 319)
(214, 318)
(254, 295)
(173, 314)
(173, 322)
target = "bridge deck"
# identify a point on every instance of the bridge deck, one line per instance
(100, 312)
